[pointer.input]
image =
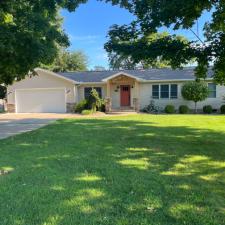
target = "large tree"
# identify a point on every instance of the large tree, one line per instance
(124, 62)
(68, 61)
(30, 33)
(141, 39)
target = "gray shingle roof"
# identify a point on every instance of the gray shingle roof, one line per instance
(148, 75)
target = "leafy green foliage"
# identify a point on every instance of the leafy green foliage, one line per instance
(86, 112)
(207, 109)
(79, 107)
(69, 61)
(222, 109)
(95, 101)
(151, 108)
(141, 50)
(123, 62)
(183, 109)
(140, 40)
(195, 91)
(30, 34)
(170, 109)
(3, 92)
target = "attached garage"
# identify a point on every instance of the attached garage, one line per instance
(40, 100)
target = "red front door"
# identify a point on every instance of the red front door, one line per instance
(125, 95)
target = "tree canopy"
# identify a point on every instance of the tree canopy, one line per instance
(68, 61)
(195, 91)
(30, 33)
(141, 39)
(124, 62)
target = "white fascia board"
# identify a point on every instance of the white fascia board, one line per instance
(172, 80)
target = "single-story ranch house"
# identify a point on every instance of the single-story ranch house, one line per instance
(128, 89)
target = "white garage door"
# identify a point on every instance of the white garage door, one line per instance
(40, 101)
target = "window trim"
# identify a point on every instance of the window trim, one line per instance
(212, 91)
(159, 91)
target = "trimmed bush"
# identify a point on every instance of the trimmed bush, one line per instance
(170, 109)
(207, 109)
(86, 112)
(222, 109)
(183, 109)
(81, 106)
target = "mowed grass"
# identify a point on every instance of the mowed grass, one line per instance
(128, 170)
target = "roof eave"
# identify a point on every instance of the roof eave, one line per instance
(122, 73)
(172, 80)
(56, 75)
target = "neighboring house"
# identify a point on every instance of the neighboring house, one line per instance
(59, 92)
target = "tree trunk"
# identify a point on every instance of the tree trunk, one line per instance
(195, 107)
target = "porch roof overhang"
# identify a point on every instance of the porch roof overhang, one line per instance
(124, 74)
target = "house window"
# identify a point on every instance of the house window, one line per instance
(87, 91)
(212, 90)
(173, 91)
(164, 91)
(155, 91)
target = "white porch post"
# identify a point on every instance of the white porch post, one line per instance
(137, 96)
(108, 104)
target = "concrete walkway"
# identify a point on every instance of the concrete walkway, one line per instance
(12, 124)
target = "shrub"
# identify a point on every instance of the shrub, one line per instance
(170, 109)
(222, 109)
(151, 108)
(102, 108)
(94, 101)
(207, 109)
(183, 109)
(81, 106)
(86, 112)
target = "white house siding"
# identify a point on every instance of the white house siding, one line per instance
(146, 96)
(42, 80)
(82, 86)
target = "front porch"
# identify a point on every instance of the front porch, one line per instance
(122, 93)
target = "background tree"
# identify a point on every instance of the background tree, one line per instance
(30, 33)
(68, 61)
(141, 39)
(195, 91)
(123, 62)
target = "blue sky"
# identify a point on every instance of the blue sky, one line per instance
(87, 28)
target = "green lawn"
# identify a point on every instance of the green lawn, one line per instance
(136, 170)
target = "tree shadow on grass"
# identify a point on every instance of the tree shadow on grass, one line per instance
(114, 172)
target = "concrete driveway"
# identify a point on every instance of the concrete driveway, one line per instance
(12, 124)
